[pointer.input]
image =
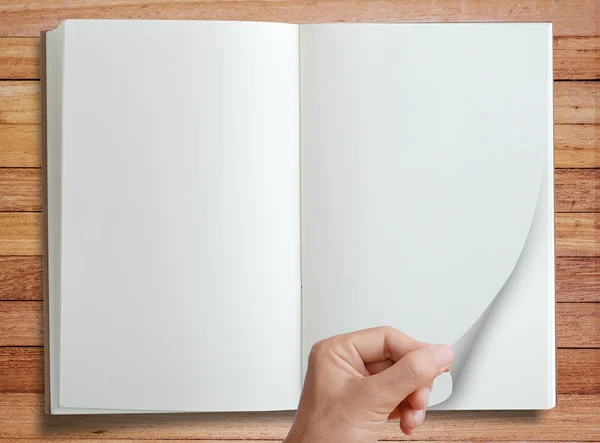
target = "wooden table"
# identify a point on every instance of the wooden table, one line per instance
(577, 147)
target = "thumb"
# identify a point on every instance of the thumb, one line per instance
(412, 372)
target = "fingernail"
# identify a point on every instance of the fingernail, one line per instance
(418, 415)
(444, 355)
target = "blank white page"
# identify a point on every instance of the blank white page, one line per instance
(424, 149)
(180, 207)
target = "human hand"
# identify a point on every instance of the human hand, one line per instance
(356, 382)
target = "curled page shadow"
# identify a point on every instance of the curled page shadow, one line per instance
(449, 384)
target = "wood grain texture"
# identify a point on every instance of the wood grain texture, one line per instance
(20, 189)
(575, 103)
(578, 371)
(20, 233)
(22, 370)
(99, 440)
(577, 235)
(577, 190)
(20, 145)
(21, 323)
(20, 102)
(574, 58)
(577, 324)
(20, 58)
(577, 279)
(577, 146)
(20, 278)
(574, 419)
(28, 17)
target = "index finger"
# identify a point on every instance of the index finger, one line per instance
(378, 344)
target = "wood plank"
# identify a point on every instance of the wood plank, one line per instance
(28, 17)
(21, 323)
(133, 440)
(20, 189)
(577, 279)
(577, 190)
(20, 102)
(575, 103)
(577, 235)
(98, 440)
(578, 371)
(20, 233)
(20, 58)
(578, 324)
(22, 370)
(577, 146)
(20, 145)
(21, 278)
(576, 58)
(575, 419)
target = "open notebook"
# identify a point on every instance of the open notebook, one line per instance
(221, 195)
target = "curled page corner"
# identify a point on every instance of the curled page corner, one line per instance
(445, 384)
(441, 390)
(448, 383)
